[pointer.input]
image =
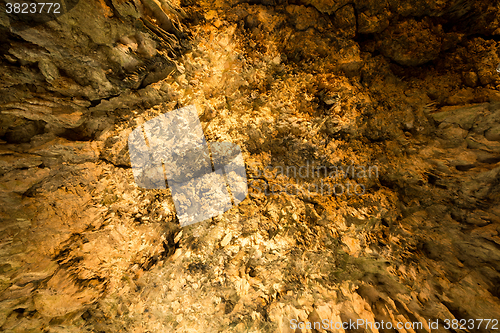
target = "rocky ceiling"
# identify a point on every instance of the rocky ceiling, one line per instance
(389, 111)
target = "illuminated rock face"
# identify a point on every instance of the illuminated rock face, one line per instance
(369, 134)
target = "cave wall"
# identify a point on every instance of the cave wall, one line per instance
(410, 88)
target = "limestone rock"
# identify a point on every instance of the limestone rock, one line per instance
(370, 136)
(411, 43)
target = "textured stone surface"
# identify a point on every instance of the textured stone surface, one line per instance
(410, 115)
(411, 43)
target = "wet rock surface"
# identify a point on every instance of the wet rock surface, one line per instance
(371, 138)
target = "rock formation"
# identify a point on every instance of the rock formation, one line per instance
(388, 112)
